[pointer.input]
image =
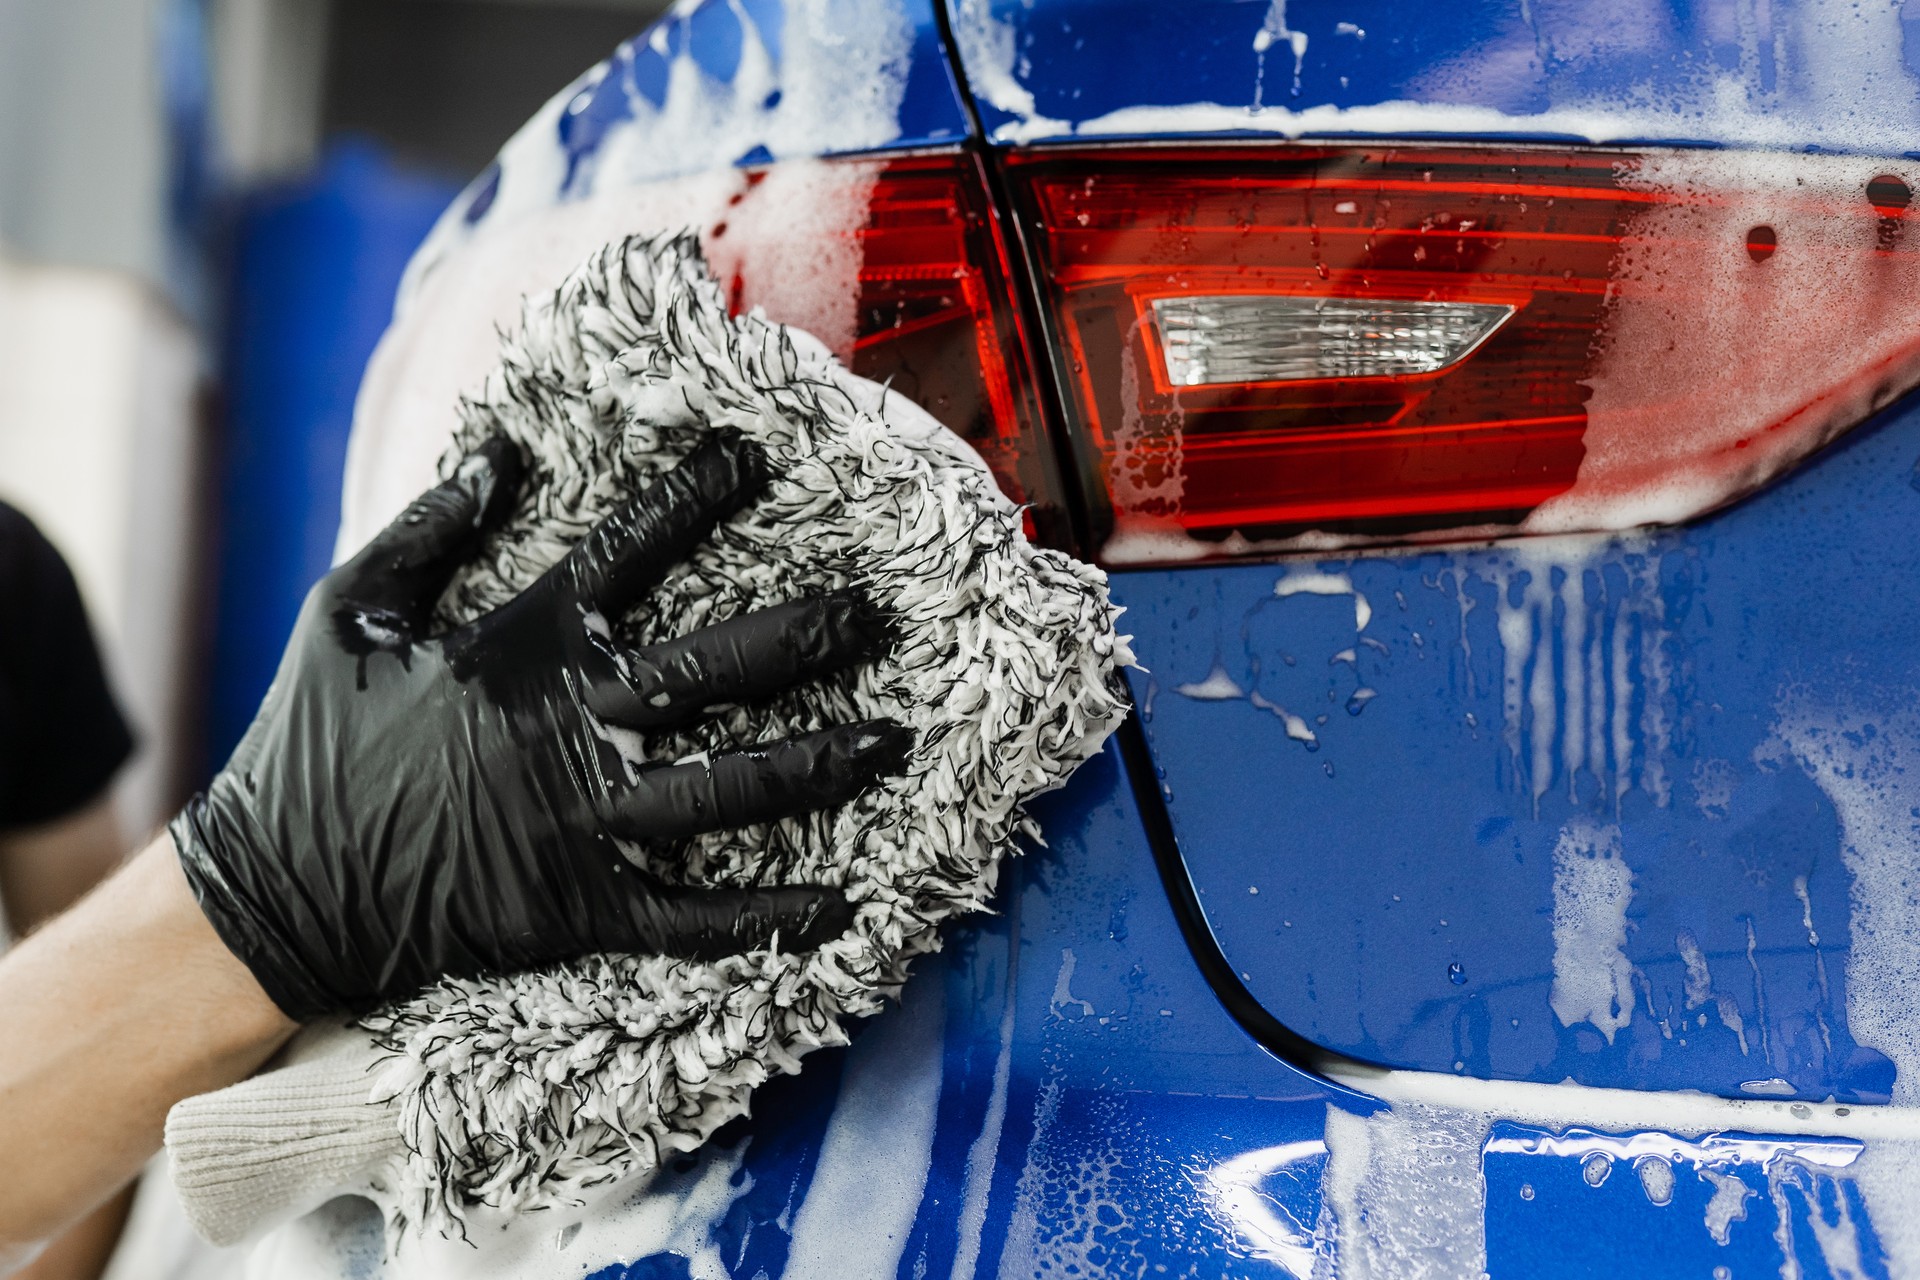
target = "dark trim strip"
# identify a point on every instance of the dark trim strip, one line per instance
(1282, 1041)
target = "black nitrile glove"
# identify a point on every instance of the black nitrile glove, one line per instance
(409, 806)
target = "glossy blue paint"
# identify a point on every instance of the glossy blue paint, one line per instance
(1653, 1214)
(711, 37)
(1097, 1114)
(1684, 703)
(1712, 72)
(1088, 1085)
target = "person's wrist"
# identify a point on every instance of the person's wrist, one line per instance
(240, 1013)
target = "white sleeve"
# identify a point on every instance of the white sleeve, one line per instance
(251, 1156)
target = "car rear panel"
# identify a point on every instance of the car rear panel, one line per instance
(1790, 75)
(1631, 809)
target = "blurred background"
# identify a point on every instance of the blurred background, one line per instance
(205, 208)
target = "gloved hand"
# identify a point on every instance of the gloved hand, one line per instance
(407, 806)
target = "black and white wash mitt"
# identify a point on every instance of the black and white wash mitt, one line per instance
(529, 1091)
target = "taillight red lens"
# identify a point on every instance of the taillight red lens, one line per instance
(1287, 346)
(937, 321)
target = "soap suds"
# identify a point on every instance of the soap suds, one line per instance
(1406, 1194)
(1592, 886)
(1411, 1176)
(1866, 759)
(1586, 680)
(986, 48)
(835, 87)
(1687, 308)
(984, 1155)
(878, 1148)
(533, 1090)
(1086, 1170)
(1217, 687)
(1728, 1204)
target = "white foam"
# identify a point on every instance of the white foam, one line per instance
(1592, 885)
(1398, 1173)
(1405, 1194)
(1569, 1105)
(874, 1161)
(1584, 671)
(1832, 75)
(836, 88)
(1217, 687)
(1085, 1170)
(1727, 1206)
(1311, 582)
(1717, 372)
(986, 48)
(984, 1155)
(1866, 759)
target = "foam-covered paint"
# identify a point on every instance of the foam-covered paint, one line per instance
(1592, 886)
(1866, 759)
(1405, 1193)
(714, 84)
(1793, 74)
(1772, 358)
(445, 333)
(872, 1173)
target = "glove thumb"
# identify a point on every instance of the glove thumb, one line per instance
(401, 573)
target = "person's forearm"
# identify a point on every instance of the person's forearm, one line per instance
(114, 1012)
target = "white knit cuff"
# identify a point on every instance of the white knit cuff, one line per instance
(285, 1142)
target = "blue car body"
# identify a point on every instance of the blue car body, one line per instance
(1145, 1063)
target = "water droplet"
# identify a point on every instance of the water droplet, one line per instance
(1526, 1191)
(1326, 767)
(1596, 1167)
(1358, 700)
(1457, 974)
(1656, 1179)
(1888, 194)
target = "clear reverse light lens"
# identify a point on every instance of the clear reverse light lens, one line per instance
(1269, 338)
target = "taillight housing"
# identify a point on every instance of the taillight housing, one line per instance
(936, 316)
(1271, 347)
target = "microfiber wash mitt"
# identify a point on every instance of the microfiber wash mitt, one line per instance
(527, 1091)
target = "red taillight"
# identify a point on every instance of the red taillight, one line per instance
(937, 322)
(933, 315)
(1273, 346)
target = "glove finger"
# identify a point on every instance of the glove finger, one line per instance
(632, 549)
(706, 924)
(401, 573)
(666, 685)
(763, 784)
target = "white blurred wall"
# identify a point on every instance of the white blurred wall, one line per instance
(100, 443)
(112, 114)
(100, 373)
